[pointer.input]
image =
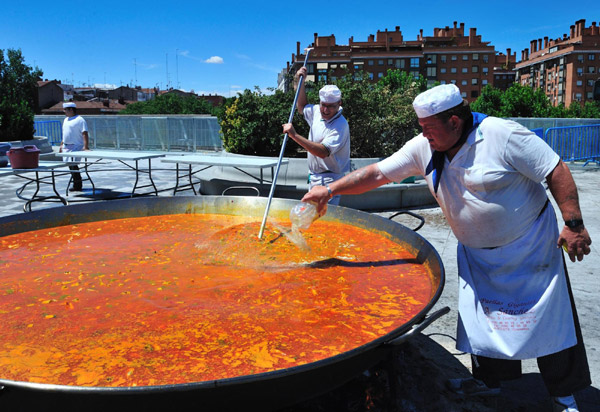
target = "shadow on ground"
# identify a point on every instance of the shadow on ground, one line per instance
(415, 382)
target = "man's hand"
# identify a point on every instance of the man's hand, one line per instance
(320, 196)
(288, 129)
(300, 73)
(576, 242)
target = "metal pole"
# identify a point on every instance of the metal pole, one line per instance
(264, 221)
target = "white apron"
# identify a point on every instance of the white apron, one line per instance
(66, 148)
(513, 300)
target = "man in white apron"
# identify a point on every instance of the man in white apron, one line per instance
(328, 144)
(515, 301)
(75, 138)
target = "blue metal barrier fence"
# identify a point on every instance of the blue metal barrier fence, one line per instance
(52, 129)
(575, 143)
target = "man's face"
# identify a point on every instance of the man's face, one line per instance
(328, 110)
(441, 135)
(69, 112)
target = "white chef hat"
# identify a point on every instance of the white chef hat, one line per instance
(436, 100)
(330, 94)
(68, 104)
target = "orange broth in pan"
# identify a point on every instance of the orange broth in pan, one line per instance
(189, 298)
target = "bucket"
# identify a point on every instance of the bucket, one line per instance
(4, 147)
(26, 157)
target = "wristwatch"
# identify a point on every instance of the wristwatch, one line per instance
(573, 223)
(331, 193)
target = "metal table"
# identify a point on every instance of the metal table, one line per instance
(45, 173)
(122, 157)
(212, 160)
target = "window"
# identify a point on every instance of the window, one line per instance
(453, 81)
(431, 59)
(454, 57)
(380, 62)
(463, 82)
(443, 70)
(474, 69)
(579, 82)
(465, 57)
(414, 62)
(379, 75)
(343, 66)
(485, 58)
(579, 71)
(484, 82)
(390, 62)
(464, 95)
(474, 93)
(443, 58)
(333, 66)
(590, 83)
(591, 57)
(371, 76)
(465, 70)
(310, 68)
(442, 81)
(580, 58)
(431, 72)
(400, 63)
(475, 56)
(414, 74)
(591, 69)
(452, 69)
(370, 62)
(474, 81)
(485, 70)
(590, 95)
(321, 66)
(578, 97)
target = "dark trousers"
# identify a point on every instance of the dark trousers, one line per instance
(563, 372)
(76, 176)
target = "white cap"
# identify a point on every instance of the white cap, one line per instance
(69, 104)
(436, 100)
(330, 94)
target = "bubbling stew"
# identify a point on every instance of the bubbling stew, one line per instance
(189, 298)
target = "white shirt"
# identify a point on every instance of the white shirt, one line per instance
(334, 134)
(73, 128)
(491, 191)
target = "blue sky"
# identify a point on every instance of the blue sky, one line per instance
(226, 46)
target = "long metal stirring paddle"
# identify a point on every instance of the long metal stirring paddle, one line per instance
(264, 221)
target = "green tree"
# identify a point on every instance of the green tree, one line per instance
(171, 103)
(252, 122)
(18, 83)
(489, 102)
(380, 115)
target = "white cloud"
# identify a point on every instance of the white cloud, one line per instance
(214, 60)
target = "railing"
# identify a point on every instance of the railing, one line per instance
(576, 143)
(52, 129)
(164, 133)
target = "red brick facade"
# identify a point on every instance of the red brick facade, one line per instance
(449, 56)
(565, 68)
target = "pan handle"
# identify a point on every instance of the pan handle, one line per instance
(408, 212)
(418, 327)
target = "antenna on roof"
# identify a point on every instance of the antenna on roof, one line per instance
(177, 67)
(167, 71)
(135, 67)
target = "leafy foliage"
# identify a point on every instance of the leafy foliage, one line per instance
(523, 101)
(18, 83)
(171, 103)
(380, 115)
(252, 122)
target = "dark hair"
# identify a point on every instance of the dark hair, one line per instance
(463, 111)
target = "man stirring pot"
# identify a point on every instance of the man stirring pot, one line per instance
(515, 301)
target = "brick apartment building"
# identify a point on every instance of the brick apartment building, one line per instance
(449, 56)
(566, 68)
